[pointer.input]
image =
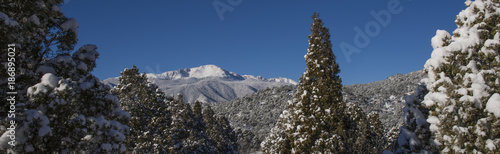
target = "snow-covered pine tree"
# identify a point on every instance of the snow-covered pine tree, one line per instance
(39, 31)
(415, 135)
(61, 106)
(376, 137)
(463, 83)
(221, 135)
(183, 136)
(319, 120)
(71, 112)
(145, 103)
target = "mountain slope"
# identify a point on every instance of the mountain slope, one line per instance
(209, 83)
(257, 113)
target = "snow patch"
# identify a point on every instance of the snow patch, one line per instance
(434, 121)
(490, 145)
(45, 130)
(439, 39)
(87, 85)
(70, 24)
(493, 105)
(50, 79)
(8, 21)
(34, 19)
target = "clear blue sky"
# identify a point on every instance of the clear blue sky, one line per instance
(267, 38)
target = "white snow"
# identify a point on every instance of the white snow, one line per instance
(48, 81)
(432, 98)
(434, 121)
(87, 85)
(493, 105)
(64, 59)
(219, 89)
(45, 130)
(8, 21)
(488, 45)
(62, 87)
(437, 40)
(87, 137)
(207, 71)
(490, 145)
(101, 122)
(34, 19)
(87, 52)
(37, 115)
(106, 147)
(29, 148)
(56, 8)
(117, 135)
(408, 137)
(4, 140)
(283, 80)
(70, 24)
(82, 66)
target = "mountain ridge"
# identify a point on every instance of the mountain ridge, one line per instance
(209, 83)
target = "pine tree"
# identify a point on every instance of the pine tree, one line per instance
(40, 32)
(462, 85)
(71, 112)
(145, 102)
(221, 135)
(184, 137)
(415, 135)
(376, 137)
(61, 107)
(319, 120)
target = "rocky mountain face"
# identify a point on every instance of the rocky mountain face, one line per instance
(254, 115)
(209, 83)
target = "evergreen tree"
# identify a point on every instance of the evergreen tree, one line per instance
(40, 32)
(72, 112)
(415, 134)
(221, 135)
(319, 120)
(463, 86)
(145, 102)
(376, 137)
(184, 137)
(61, 107)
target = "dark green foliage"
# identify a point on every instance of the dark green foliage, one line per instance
(147, 108)
(463, 72)
(61, 106)
(220, 132)
(166, 125)
(319, 120)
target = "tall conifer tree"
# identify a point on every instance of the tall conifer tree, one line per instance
(145, 102)
(319, 120)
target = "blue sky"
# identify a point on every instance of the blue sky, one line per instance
(257, 37)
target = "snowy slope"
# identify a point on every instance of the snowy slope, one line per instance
(209, 83)
(259, 112)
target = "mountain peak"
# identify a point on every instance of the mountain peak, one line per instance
(209, 83)
(213, 71)
(210, 71)
(205, 71)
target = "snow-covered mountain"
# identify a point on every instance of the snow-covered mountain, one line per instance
(209, 83)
